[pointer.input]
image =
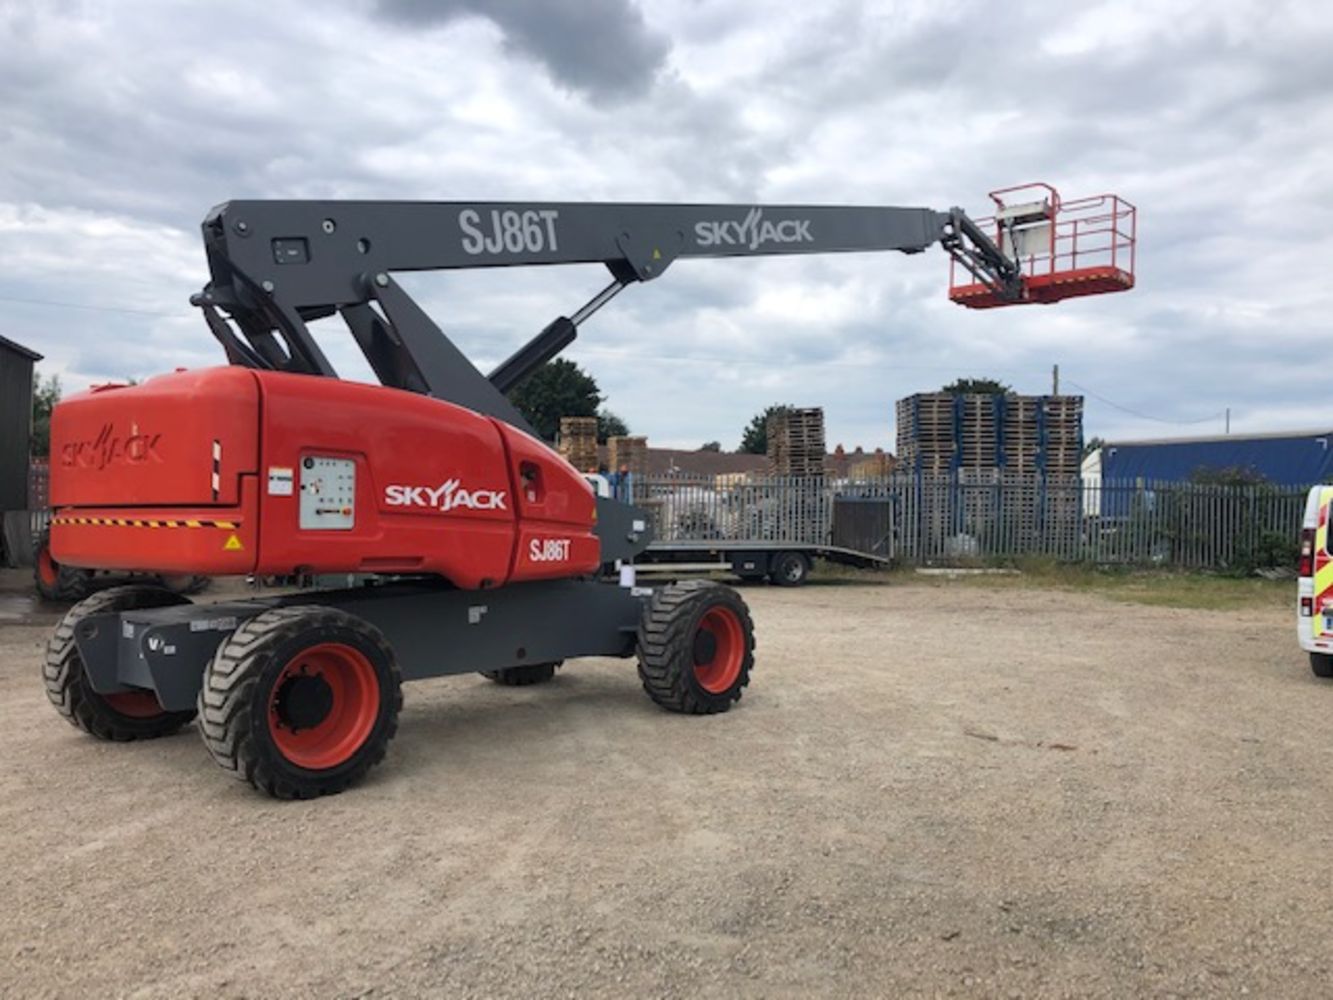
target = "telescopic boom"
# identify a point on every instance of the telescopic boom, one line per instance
(276, 265)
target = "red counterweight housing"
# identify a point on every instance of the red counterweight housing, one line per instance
(232, 470)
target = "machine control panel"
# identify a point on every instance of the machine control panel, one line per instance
(328, 493)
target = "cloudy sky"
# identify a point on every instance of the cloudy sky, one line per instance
(122, 122)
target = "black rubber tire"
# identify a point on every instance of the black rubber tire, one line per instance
(789, 569)
(69, 584)
(1321, 665)
(67, 685)
(234, 700)
(529, 673)
(666, 646)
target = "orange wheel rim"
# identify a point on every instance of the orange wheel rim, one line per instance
(134, 704)
(46, 567)
(323, 706)
(719, 650)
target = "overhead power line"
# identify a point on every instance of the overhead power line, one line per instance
(1139, 413)
(89, 308)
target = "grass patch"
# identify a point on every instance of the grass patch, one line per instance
(1159, 588)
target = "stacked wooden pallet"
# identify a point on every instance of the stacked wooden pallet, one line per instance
(927, 436)
(1063, 419)
(1046, 442)
(938, 432)
(978, 417)
(796, 442)
(994, 467)
(578, 442)
(1022, 434)
(628, 454)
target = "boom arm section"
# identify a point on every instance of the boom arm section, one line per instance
(276, 265)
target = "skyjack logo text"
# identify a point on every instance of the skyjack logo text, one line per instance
(108, 448)
(753, 231)
(445, 497)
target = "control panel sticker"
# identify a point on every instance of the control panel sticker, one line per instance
(328, 493)
(281, 481)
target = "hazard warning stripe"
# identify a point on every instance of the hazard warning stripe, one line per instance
(135, 522)
(217, 468)
(1323, 572)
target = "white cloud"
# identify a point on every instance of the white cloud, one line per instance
(121, 125)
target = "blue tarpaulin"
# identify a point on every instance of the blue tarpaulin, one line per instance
(1294, 459)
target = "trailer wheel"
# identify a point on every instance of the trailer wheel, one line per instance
(301, 701)
(125, 715)
(789, 569)
(1321, 664)
(529, 673)
(55, 582)
(696, 647)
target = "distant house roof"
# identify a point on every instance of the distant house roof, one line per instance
(679, 461)
(665, 461)
(683, 462)
(1292, 458)
(842, 463)
(9, 345)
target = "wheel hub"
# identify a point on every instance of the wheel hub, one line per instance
(705, 647)
(304, 701)
(323, 706)
(719, 649)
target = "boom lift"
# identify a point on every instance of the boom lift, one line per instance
(488, 551)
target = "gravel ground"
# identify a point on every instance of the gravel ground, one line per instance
(938, 791)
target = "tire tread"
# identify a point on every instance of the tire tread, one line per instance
(67, 686)
(666, 644)
(228, 692)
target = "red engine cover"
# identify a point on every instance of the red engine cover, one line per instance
(229, 470)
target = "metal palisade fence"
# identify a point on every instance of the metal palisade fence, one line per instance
(961, 517)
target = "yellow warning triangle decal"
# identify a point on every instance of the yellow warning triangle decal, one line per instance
(657, 254)
(233, 544)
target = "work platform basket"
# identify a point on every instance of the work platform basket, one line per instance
(1064, 248)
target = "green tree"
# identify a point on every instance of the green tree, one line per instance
(1227, 475)
(557, 389)
(609, 425)
(1091, 445)
(754, 439)
(711, 446)
(985, 386)
(45, 395)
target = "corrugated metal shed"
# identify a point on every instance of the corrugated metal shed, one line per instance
(16, 363)
(1290, 458)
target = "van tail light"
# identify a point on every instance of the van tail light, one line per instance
(1306, 566)
(1307, 607)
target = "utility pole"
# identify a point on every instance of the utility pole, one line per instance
(1228, 424)
(1055, 380)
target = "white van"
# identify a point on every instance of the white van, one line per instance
(1314, 591)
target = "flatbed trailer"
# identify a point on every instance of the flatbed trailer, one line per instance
(784, 563)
